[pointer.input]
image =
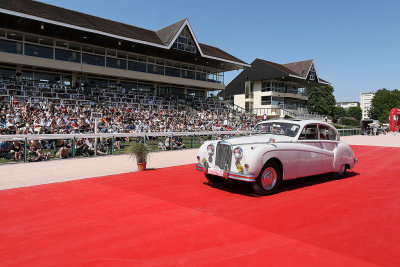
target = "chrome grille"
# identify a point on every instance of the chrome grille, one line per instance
(223, 155)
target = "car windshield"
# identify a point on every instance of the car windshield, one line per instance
(280, 128)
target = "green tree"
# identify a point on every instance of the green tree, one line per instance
(339, 112)
(383, 101)
(321, 100)
(355, 112)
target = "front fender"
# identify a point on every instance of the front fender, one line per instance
(288, 157)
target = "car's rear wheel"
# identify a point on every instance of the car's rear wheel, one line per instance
(342, 172)
(214, 178)
(269, 179)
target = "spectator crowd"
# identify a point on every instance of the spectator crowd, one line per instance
(49, 118)
(43, 118)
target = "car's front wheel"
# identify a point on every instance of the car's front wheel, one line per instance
(269, 179)
(214, 178)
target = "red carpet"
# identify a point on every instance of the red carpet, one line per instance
(173, 217)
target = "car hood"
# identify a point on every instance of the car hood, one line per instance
(259, 138)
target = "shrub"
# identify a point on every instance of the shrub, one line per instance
(350, 122)
(139, 151)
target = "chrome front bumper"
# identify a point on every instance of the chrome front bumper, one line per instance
(228, 174)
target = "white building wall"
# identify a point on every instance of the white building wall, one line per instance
(257, 94)
(366, 103)
(239, 100)
(347, 105)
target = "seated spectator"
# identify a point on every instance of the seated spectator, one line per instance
(5, 150)
(36, 152)
(91, 146)
(81, 148)
(17, 149)
(161, 146)
(179, 143)
(61, 150)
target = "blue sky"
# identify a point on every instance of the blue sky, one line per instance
(355, 44)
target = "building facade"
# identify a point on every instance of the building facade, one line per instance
(268, 88)
(366, 104)
(41, 43)
(347, 105)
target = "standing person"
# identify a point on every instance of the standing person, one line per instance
(375, 130)
(166, 143)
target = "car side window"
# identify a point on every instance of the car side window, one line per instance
(326, 133)
(309, 132)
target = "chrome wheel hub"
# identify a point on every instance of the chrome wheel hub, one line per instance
(269, 178)
(342, 169)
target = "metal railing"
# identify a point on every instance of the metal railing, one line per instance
(150, 138)
(348, 132)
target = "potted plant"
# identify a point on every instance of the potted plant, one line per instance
(140, 152)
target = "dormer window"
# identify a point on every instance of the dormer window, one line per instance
(312, 73)
(185, 42)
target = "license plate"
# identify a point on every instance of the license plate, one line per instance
(215, 172)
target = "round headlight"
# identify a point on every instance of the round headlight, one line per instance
(210, 149)
(238, 153)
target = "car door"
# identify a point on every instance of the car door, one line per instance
(328, 140)
(310, 152)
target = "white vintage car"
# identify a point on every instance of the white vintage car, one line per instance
(276, 150)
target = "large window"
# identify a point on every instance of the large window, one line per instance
(170, 71)
(7, 74)
(116, 63)
(248, 85)
(10, 47)
(200, 74)
(185, 42)
(188, 74)
(45, 47)
(38, 51)
(155, 69)
(266, 100)
(67, 55)
(276, 100)
(137, 66)
(266, 86)
(93, 59)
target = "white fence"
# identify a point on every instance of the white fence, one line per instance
(145, 136)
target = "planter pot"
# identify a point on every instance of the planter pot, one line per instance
(141, 166)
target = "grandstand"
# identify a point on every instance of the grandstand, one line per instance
(54, 55)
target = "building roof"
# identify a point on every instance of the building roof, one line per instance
(162, 38)
(280, 67)
(300, 67)
(266, 70)
(168, 33)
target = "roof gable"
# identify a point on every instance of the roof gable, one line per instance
(168, 33)
(301, 68)
(184, 25)
(280, 67)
